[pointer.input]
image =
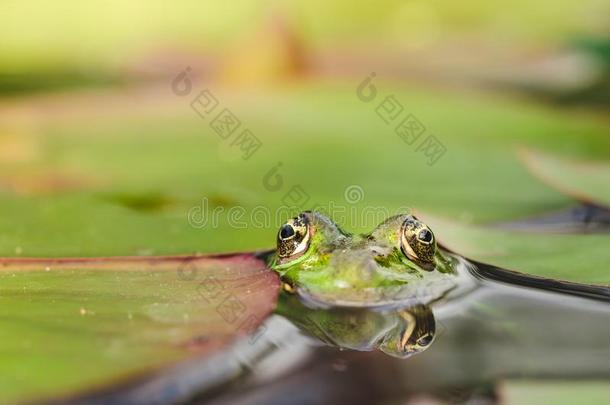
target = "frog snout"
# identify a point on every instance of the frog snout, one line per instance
(353, 268)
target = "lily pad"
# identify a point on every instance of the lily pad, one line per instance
(570, 257)
(72, 326)
(587, 181)
(555, 392)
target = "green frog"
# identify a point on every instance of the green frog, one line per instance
(399, 263)
(364, 292)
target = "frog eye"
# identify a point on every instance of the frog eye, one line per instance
(293, 238)
(425, 236)
(287, 232)
(417, 242)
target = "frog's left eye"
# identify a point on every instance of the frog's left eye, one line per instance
(293, 238)
(417, 242)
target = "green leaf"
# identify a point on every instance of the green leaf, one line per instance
(70, 326)
(555, 392)
(570, 257)
(587, 181)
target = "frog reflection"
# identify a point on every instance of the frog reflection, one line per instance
(398, 332)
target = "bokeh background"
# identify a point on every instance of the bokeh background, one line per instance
(101, 156)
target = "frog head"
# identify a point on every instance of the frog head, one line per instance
(398, 263)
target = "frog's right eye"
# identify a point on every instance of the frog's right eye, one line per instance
(417, 242)
(293, 238)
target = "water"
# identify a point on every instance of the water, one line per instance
(496, 325)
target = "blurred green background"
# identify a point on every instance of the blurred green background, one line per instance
(100, 157)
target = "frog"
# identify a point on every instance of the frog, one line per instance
(397, 264)
(363, 291)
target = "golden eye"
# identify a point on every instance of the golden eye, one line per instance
(417, 242)
(293, 238)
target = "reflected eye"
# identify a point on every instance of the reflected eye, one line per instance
(293, 238)
(424, 340)
(417, 243)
